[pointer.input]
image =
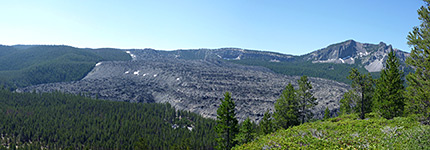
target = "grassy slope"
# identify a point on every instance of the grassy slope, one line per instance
(348, 132)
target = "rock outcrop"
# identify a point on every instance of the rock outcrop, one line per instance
(370, 56)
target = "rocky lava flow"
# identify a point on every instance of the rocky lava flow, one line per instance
(193, 85)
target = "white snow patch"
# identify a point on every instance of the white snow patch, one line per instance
(132, 55)
(126, 72)
(144, 74)
(136, 72)
(176, 56)
(99, 63)
(155, 75)
(274, 60)
(190, 128)
(177, 79)
(218, 56)
(341, 60)
(238, 57)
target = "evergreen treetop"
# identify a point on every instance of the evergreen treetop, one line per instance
(418, 91)
(306, 99)
(388, 98)
(227, 124)
(286, 108)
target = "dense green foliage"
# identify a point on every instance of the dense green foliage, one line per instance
(388, 99)
(64, 121)
(362, 84)
(326, 113)
(226, 124)
(266, 125)
(306, 99)
(348, 102)
(337, 72)
(29, 65)
(348, 132)
(286, 111)
(419, 81)
(246, 132)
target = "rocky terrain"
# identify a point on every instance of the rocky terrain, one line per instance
(195, 85)
(370, 56)
(196, 79)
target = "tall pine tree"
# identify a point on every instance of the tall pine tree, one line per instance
(227, 124)
(246, 133)
(305, 98)
(266, 125)
(326, 113)
(286, 111)
(363, 86)
(388, 99)
(419, 81)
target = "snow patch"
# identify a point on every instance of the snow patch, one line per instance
(126, 72)
(218, 56)
(131, 55)
(238, 57)
(177, 79)
(190, 128)
(98, 64)
(144, 74)
(155, 75)
(136, 72)
(274, 60)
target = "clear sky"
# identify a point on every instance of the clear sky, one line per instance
(286, 26)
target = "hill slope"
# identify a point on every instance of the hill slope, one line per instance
(25, 65)
(348, 132)
(194, 85)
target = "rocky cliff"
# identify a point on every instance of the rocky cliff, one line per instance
(370, 56)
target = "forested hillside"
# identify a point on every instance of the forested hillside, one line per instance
(332, 71)
(64, 121)
(25, 65)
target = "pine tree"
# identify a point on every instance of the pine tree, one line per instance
(419, 82)
(266, 125)
(286, 111)
(388, 98)
(305, 98)
(363, 86)
(348, 102)
(326, 113)
(246, 133)
(227, 124)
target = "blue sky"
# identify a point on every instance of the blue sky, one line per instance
(287, 26)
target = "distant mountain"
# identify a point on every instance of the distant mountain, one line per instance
(369, 56)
